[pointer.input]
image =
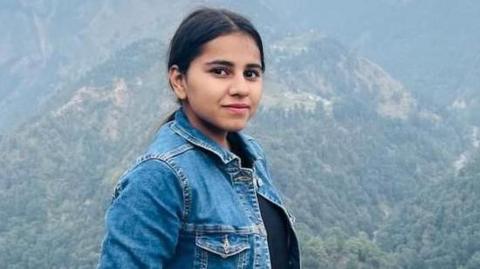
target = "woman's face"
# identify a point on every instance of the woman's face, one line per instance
(222, 87)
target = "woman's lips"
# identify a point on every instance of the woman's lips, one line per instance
(237, 108)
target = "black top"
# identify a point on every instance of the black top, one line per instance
(276, 225)
(274, 219)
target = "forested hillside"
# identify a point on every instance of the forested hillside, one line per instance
(59, 169)
(440, 228)
(376, 175)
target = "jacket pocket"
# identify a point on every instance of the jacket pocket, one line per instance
(222, 250)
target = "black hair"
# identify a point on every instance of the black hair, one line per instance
(202, 26)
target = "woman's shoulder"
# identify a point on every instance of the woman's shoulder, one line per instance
(147, 174)
(154, 165)
(166, 142)
(147, 168)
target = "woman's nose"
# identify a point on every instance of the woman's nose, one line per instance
(239, 86)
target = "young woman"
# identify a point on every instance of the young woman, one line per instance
(201, 196)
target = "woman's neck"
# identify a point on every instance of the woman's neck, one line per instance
(212, 132)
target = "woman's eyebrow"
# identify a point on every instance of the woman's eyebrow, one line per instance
(230, 64)
(254, 66)
(220, 62)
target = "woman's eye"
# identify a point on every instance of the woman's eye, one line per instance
(219, 71)
(251, 74)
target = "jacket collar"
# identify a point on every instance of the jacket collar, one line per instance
(182, 127)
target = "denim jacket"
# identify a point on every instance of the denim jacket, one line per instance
(188, 203)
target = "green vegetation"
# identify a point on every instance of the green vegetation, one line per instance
(368, 190)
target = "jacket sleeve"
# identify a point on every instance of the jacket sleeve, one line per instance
(144, 218)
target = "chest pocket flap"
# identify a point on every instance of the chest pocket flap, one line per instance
(225, 245)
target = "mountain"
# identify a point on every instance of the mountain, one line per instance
(348, 129)
(376, 167)
(46, 45)
(334, 125)
(58, 169)
(440, 228)
(429, 45)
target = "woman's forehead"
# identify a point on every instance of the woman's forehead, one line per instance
(237, 48)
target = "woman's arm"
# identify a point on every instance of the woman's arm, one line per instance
(143, 221)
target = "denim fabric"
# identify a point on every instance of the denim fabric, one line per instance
(187, 203)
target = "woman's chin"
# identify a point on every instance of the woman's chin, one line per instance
(235, 127)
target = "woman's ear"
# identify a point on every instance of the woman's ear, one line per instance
(177, 82)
